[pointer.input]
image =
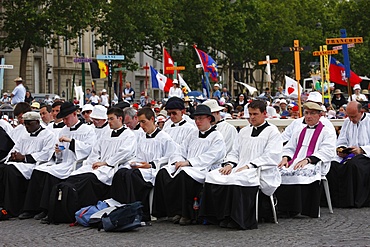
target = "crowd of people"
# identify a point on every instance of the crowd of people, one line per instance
(185, 152)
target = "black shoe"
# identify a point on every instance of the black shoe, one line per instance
(176, 219)
(185, 221)
(233, 225)
(224, 223)
(40, 216)
(26, 215)
(45, 220)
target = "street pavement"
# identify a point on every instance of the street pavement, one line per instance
(346, 227)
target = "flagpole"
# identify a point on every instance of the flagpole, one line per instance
(204, 72)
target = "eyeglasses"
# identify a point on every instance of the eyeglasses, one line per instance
(84, 112)
(169, 113)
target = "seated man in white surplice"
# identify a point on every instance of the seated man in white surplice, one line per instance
(229, 197)
(306, 157)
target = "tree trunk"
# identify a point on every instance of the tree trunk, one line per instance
(23, 64)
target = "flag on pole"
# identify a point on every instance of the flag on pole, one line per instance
(160, 81)
(338, 74)
(291, 87)
(167, 62)
(208, 64)
(205, 88)
(99, 70)
(251, 89)
(183, 83)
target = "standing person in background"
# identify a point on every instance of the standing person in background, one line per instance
(104, 98)
(175, 90)
(19, 92)
(128, 93)
(216, 92)
(28, 98)
(47, 100)
(94, 99)
(226, 95)
(87, 95)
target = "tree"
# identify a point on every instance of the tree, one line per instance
(39, 23)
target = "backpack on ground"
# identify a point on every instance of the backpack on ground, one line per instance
(84, 214)
(63, 203)
(123, 218)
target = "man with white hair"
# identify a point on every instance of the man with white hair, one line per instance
(300, 123)
(227, 130)
(357, 96)
(34, 146)
(305, 158)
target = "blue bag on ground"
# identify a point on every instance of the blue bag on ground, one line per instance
(124, 218)
(83, 215)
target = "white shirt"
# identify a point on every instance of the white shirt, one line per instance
(175, 92)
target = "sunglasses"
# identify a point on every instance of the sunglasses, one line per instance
(172, 113)
(88, 112)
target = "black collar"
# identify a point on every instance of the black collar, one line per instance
(201, 135)
(58, 125)
(76, 126)
(181, 123)
(37, 131)
(116, 133)
(137, 127)
(153, 134)
(105, 124)
(257, 130)
(313, 127)
(220, 121)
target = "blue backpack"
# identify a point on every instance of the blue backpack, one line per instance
(123, 218)
(83, 215)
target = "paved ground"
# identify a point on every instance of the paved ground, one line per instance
(346, 227)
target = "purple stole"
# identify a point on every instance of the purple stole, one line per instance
(311, 146)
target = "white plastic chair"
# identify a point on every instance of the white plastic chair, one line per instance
(327, 193)
(273, 204)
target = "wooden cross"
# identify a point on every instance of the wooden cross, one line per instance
(268, 69)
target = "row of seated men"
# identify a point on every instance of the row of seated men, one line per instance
(207, 160)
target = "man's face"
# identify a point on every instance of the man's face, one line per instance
(311, 117)
(70, 120)
(203, 122)
(354, 115)
(256, 117)
(98, 122)
(175, 115)
(128, 85)
(130, 122)
(147, 125)
(88, 91)
(86, 115)
(45, 115)
(31, 125)
(114, 121)
(55, 111)
(283, 106)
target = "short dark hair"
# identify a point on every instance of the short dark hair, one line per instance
(257, 104)
(116, 111)
(21, 107)
(48, 107)
(148, 112)
(56, 103)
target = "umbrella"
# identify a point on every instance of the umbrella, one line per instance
(195, 93)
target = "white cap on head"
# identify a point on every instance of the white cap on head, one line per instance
(87, 107)
(217, 85)
(104, 90)
(283, 101)
(315, 97)
(99, 112)
(213, 105)
(31, 115)
(357, 86)
(175, 81)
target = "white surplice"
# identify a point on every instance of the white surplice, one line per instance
(113, 150)
(263, 151)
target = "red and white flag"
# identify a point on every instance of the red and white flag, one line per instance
(291, 87)
(167, 62)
